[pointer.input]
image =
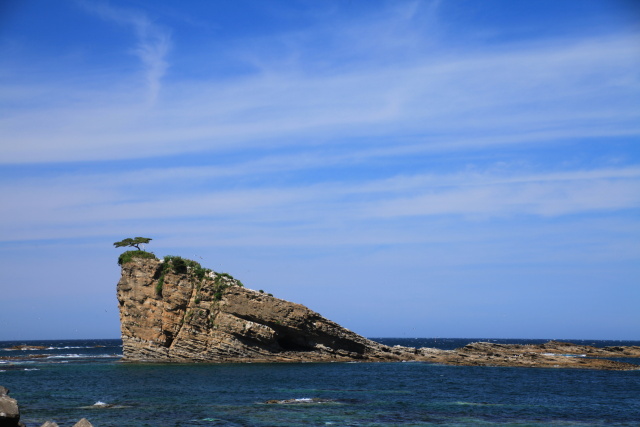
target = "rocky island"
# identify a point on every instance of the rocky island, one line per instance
(173, 310)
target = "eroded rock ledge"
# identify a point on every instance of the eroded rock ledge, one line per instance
(187, 314)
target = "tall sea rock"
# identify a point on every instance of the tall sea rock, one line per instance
(176, 311)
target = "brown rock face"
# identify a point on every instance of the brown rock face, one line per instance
(172, 312)
(9, 411)
(214, 319)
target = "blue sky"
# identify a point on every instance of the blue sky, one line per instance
(405, 168)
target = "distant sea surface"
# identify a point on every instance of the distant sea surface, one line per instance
(73, 379)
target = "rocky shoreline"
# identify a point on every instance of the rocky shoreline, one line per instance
(553, 354)
(10, 413)
(176, 311)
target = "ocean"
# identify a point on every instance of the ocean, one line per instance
(72, 379)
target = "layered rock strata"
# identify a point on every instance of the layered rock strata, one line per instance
(185, 315)
(552, 354)
(214, 319)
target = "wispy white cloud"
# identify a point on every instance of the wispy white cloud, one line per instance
(542, 198)
(86, 202)
(531, 93)
(152, 40)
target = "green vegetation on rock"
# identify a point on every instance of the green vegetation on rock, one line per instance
(129, 256)
(183, 266)
(196, 274)
(160, 284)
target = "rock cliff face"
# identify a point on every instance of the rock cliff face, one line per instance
(214, 319)
(172, 311)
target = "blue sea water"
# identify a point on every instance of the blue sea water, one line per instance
(84, 378)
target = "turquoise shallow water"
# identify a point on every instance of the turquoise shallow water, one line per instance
(68, 382)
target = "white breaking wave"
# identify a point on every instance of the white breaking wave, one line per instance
(70, 347)
(564, 355)
(82, 356)
(51, 348)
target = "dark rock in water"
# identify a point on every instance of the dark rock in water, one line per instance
(9, 411)
(553, 354)
(27, 347)
(29, 356)
(10, 414)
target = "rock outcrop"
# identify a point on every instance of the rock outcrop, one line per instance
(192, 317)
(553, 354)
(10, 413)
(175, 311)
